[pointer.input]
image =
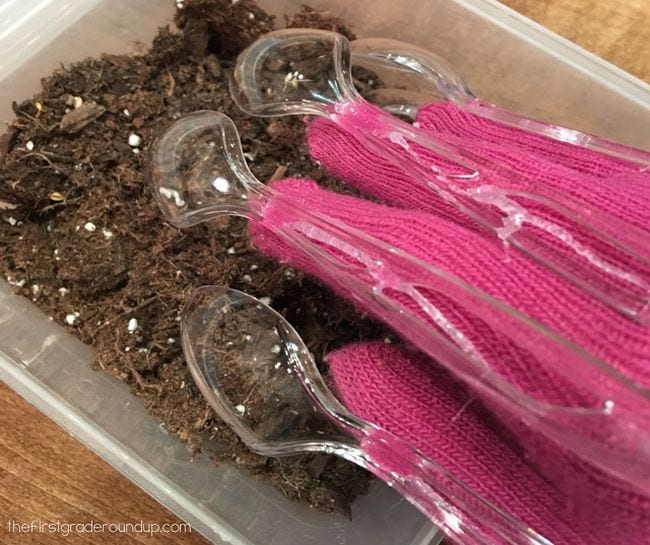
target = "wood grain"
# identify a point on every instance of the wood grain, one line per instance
(616, 30)
(47, 475)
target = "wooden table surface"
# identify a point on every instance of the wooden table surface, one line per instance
(47, 475)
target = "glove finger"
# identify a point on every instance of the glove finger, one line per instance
(624, 195)
(517, 281)
(401, 392)
(343, 155)
(449, 118)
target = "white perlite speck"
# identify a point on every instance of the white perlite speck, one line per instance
(29, 145)
(108, 234)
(71, 319)
(240, 408)
(90, 227)
(134, 140)
(275, 349)
(231, 250)
(265, 300)
(221, 184)
(172, 194)
(133, 325)
(12, 221)
(35, 288)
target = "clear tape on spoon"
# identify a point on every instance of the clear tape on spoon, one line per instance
(515, 215)
(204, 147)
(322, 59)
(632, 300)
(299, 390)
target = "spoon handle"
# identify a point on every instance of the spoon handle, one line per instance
(459, 511)
(446, 80)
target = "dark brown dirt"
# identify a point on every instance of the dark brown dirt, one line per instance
(81, 236)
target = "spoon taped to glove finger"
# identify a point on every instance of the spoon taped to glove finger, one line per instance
(307, 72)
(257, 374)
(431, 77)
(199, 173)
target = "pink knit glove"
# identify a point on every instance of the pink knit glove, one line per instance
(435, 233)
(520, 282)
(623, 192)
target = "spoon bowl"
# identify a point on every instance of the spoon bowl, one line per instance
(241, 355)
(396, 60)
(293, 71)
(198, 170)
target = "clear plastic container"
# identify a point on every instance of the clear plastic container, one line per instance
(506, 60)
(29, 26)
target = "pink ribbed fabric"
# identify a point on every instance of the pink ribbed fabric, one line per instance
(445, 117)
(518, 281)
(560, 164)
(625, 201)
(430, 229)
(406, 394)
(481, 262)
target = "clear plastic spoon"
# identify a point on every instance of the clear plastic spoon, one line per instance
(199, 172)
(257, 374)
(443, 80)
(298, 71)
